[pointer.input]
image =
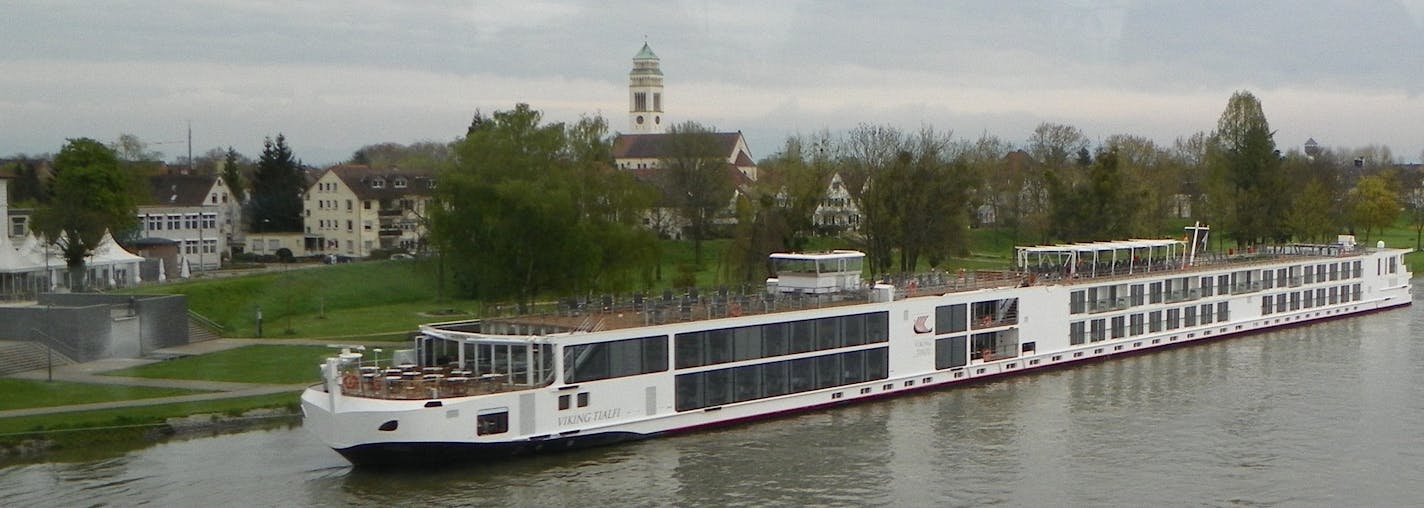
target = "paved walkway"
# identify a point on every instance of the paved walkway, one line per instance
(89, 372)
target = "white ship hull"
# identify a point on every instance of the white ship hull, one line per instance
(1045, 333)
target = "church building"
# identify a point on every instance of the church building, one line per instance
(642, 148)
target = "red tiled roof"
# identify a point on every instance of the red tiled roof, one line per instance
(650, 146)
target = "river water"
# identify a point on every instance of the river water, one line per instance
(1323, 415)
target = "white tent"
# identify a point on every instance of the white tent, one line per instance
(162, 275)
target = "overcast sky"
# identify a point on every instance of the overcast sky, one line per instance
(334, 76)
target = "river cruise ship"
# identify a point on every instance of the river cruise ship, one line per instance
(602, 370)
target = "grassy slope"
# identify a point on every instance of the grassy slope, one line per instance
(250, 364)
(24, 393)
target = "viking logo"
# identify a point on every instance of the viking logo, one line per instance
(921, 326)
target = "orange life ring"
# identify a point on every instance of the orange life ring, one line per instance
(349, 381)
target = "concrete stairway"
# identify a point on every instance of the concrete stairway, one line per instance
(22, 356)
(199, 333)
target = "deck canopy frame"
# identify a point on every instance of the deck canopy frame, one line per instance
(1093, 259)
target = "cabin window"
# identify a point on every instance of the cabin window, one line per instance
(695, 349)
(1134, 325)
(1174, 318)
(1309, 274)
(1119, 328)
(1223, 284)
(1076, 304)
(1359, 270)
(699, 390)
(954, 318)
(1097, 330)
(951, 352)
(1137, 294)
(1206, 314)
(803, 336)
(606, 360)
(1076, 334)
(564, 402)
(1154, 321)
(1207, 286)
(828, 333)
(1155, 292)
(583, 399)
(1266, 304)
(1190, 316)
(494, 422)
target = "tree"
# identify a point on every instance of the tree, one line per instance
(129, 148)
(527, 208)
(425, 155)
(1374, 204)
(1054, 145)
(27, 188)
(696, 179)
(232, 166)
(917, 196)
(778, 214)
(277, 188)
(90, 195)
(1246, 188)
(1414, 204)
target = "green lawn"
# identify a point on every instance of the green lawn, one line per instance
(249, 364)
(142, 414)
(25, 393)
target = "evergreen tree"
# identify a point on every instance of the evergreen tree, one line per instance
(232, 174)
(277, 188)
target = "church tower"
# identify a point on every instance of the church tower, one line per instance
(645, 94)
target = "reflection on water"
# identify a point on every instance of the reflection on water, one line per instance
(1318, 415)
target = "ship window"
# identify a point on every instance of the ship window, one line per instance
(1221, 314)
(773, 379)
(951, 352)
(388, 426)
(1076, 335)
(828, 333)
(719, 387)
(583, 399)
(1266, 304)
(606, 360)
(1174, 318)
(716, 387)
(719, 346)
(564, 401)
(803, 375)
(951, 318)
(746, 343)
(877, 327)
(828, 371)
(1028, 347)
(803, 336)
(852, 367)
(748, 383)
(1154, 292)
(492, 423)
(1076, 303)
(1134, 324)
